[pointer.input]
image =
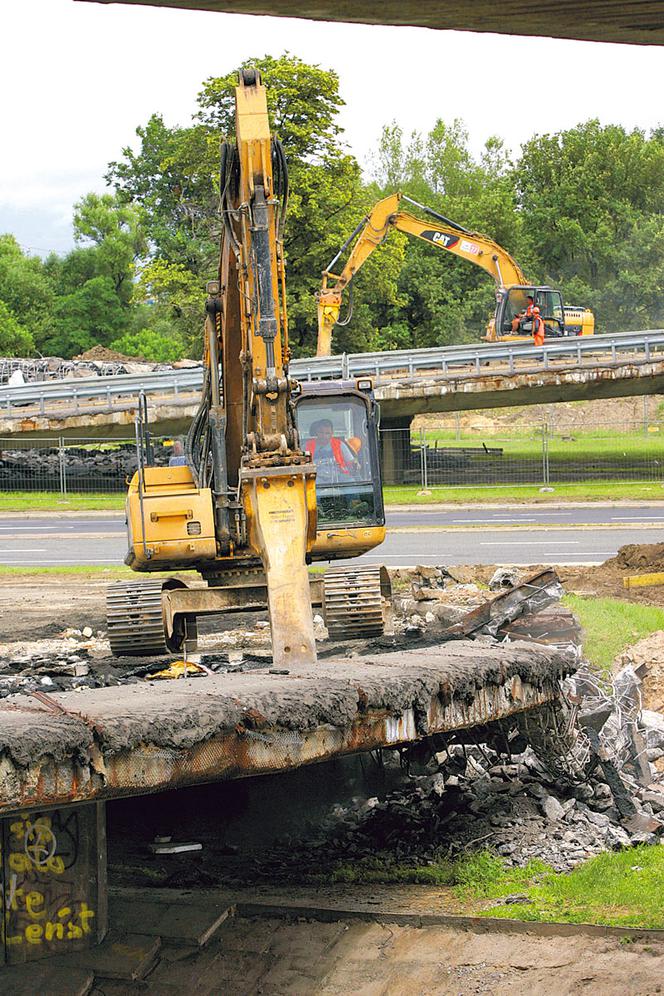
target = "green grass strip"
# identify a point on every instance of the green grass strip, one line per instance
(610, 625)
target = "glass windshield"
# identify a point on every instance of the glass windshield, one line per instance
(515, 316)
(551, 305)
(334, 431)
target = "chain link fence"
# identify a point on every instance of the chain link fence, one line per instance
(538, 454)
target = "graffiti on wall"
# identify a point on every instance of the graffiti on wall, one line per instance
(45, 886)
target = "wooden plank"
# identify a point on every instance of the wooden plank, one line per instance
(643, 580)
(192, 923)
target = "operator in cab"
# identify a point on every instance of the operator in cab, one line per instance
(539, 327)
(335, 459)
(524, 316)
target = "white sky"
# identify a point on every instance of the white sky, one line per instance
(77, 78)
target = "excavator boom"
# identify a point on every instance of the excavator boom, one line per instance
(440, 232)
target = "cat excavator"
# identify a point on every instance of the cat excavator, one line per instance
(509, 321)
(275, 475)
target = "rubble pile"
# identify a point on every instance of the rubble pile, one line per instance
(436, 598)
(18, 467)
(475, 800)
(98, 361)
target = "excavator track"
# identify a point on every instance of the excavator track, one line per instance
(353, 601)
(135, 619)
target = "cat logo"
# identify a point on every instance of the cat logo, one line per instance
(441, 238)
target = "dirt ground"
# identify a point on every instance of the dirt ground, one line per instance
(39, 606)
(568, 417)
(277, 956)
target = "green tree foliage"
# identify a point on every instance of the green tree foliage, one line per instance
(91, 314)
(592, 201)
(15, 339)
(582, 209)
(25, 287)
(150, 345)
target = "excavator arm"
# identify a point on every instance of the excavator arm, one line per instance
(386, 216)
(249, 424)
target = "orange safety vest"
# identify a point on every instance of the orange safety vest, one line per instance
(337, 452)
(538, 330)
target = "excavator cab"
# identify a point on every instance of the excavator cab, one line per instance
(338, 426)
(511, 304)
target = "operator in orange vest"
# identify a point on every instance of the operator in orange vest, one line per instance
(539, 327)
(334, 458)
(524, 316)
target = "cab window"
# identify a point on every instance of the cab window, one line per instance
(335, 432)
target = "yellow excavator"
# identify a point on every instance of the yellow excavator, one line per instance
(510, 320)
(275, 474)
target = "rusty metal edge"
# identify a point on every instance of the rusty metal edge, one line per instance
(238, 753)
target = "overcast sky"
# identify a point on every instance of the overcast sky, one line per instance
(77, 78)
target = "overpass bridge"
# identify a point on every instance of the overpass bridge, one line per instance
(407, 383)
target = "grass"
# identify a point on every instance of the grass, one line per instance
(588, 491)
(622, 889)
(49, 501)
(475, 875)
(573, 446)
(111, 572)
(617, 889)
(52, 501)
(610, 625)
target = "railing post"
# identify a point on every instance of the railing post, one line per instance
(62, 460)
(545, 454)
(424, 471)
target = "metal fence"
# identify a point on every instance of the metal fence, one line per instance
(81, 466)
(535, 454)
(539, 454)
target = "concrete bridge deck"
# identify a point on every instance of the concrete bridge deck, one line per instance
(98, 744)
(406, 384)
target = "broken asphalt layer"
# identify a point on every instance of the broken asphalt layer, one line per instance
(102, 743)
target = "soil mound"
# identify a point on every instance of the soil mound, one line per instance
(639, 557)
(105, 355)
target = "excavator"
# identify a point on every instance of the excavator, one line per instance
(509, 321)
(276, 474)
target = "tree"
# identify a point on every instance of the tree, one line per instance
(150, 345)
(89, 315)
(175, 176)
(25, 287)
(592, 198)
(116, 232)
(15, 339)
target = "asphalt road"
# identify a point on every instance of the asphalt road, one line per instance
(457, 536)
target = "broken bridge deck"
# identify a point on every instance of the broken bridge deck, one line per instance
(134, 739)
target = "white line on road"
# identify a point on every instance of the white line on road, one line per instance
(25, 549)
(559, 542)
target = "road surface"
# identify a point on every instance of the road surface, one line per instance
(517, 535)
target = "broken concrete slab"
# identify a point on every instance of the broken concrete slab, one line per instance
(99, 743)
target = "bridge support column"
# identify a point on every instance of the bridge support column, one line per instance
(397, 461)
(52, 882)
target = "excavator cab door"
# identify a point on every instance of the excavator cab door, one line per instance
(550, 304)
(338, 427)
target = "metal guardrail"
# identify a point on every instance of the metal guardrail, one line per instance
(476, 358)
(478, 355)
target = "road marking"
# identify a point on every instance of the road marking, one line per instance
(496, 519)
(25, 549)
(636, 518)
(559, 542)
